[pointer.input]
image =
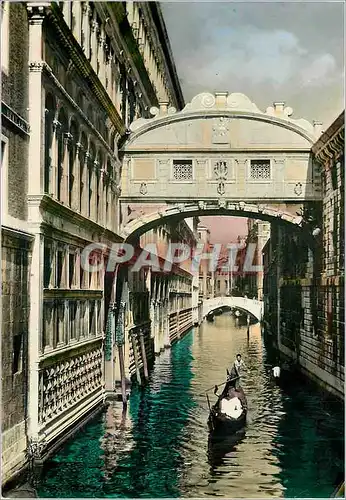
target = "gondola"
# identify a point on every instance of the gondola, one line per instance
(210, 317)
(228, 414)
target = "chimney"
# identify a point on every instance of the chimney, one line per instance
(221, 99)
(279, 108)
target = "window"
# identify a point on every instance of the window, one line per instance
(17, 353)
(92, 318)
(71, 269)
(59, 270)
(260, 169)
(47, 271)
(72, 318)
(182, 170)
(334, 176)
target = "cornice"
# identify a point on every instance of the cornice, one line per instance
(85, 69)
(163, 46)
(331, 144)
(49, 72)
(121, 26)
(14, 118)
(123, 55)
(56, 208)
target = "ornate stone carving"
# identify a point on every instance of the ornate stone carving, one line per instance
(143, 188)
(37, 66)
(64, 384)
(68, 137)
(298, 188)
(222, 203)
(221, 170)
(220, 130)
(201, 205)
(231, 103)
(221, 188)
(36, 448)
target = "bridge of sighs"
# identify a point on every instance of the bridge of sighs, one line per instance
(220, 155)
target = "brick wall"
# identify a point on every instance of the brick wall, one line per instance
(14, 346)
(15, 95)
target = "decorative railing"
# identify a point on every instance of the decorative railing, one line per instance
(67, 382)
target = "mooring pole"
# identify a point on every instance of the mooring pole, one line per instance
(120, 340)
(135, 355)
(144, 354)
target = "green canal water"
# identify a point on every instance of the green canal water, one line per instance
(292, 446)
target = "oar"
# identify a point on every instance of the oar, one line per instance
(220, 385)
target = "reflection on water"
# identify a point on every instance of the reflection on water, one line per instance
(292, 445)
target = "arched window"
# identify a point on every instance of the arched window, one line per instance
(107, 194)
(98, 179)
(82, 167)
(61, 149)
(92, 158)
(90, 113)
(79, 100)
(48, 137)
(71, 162)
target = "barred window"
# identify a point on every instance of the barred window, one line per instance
(260, 169)
(182, 170)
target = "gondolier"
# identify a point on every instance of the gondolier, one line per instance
(236, 370)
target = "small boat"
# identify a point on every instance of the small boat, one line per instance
(228, 414)
(210, 317)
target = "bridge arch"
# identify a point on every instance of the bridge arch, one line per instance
(220, 155)
(254, 307)
(143, 222)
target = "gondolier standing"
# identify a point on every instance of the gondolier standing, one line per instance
(237, 369)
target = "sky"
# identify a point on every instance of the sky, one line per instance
(270, 51)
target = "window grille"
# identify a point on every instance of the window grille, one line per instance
(260, 169)
(182, 170)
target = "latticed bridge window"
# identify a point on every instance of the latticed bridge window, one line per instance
(182, 170)
(260, 169)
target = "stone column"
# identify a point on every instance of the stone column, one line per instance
(86, 28)
(64, 192)
(54, 154)
(94, 190)
(77, 13)
(36, 14)
(76, 183)
(94, 43)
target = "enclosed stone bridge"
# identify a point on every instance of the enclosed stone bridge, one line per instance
(220, 155)
(254, 307)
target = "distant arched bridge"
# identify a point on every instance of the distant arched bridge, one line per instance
(254, 307)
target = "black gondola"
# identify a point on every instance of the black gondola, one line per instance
(228, 415)
(210, 317)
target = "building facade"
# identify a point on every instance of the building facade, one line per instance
(304, 274)
(160, 301)
(258, 235)
(16, 240)
(77, 74)
(206, 271)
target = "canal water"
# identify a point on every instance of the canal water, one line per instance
(292, 446)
